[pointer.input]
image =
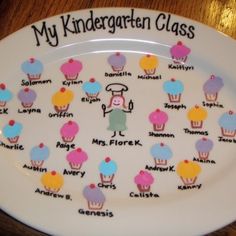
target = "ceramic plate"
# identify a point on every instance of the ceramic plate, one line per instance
(118, 121)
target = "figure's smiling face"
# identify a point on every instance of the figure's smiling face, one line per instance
(117, 102)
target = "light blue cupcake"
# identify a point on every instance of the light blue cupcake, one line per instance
(174, 89)
(107, 170)
(33, 68)
(38, 155)
(5, 95)
(92, 88)
(161, 153)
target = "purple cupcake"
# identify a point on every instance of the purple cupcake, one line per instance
(94, 197)
(117, 61)
(204, 146)
(27, 97)
(212, 87)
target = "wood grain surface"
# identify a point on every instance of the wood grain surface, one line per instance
(15, 14)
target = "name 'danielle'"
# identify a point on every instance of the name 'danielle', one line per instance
(118, 74)
(107, 185)
(79, 173)
(160, 168)
(34, 168)
(114, 142)
(105, 213)
(62, 114)
(3, 111)
(226, 140)
(36, 82)
(186, 187)
(144, 195)
(16, 146)
(67, 146)
(54, 195)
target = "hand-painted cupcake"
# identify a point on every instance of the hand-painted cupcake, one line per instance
(76, 158)
(71, 69)
(161, 153)
(144, 180)
(38, 155)
(5, 95)
(94, 197)
(158, 118)
(117, 61)
(62, 99)
(52, 181)
(92, 88)
(197, 115)
(203, 147)
(27, 97)
(174, 89)
(149, 63)
(227, 123)
(33, 68)
(179, 53)
(107, 170)
(212, 87)
(68, 131)
(12, 131)
(188, 171)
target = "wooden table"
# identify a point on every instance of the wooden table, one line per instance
(15, 14)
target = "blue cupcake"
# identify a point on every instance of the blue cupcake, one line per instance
(33, 68)
(227, 123)
(174, 89)
(12, 131)
(5, 95)
(92, 88)
(107, 170)
(161, 153)
(38, 155)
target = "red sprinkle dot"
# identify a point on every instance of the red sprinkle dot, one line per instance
(53, 172)
(196, 106)
(158, 110)
(108, 159)
(204, 139)
(71, 60)
(212, 77)
(162, 144)
(92, 80)
(41, 145)
(173, 80)
(92, 186)
(26, 90)
(70, 122)
(11, 122)
(186, 161)
(78, 150)
(62, 90)
(148, 55)
(231, 112)
(117, 54)
(141, 172)
(2, 86)
(179, 43)
(32, 60)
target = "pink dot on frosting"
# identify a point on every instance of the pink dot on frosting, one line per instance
(2, 86)
(62, 90)
(11, 122)
(71, 60)
(231, 112)
(141, 172)
(186, 161)
(92, 80)
(41, 145)
(26, 90)
(117, 54)
(32, 60)
(78, 150)
(70, 122)
(92, 186)
(158, 110)
(53, 172)
(212, 77)
(162, 144)
(179, 43)
(204, 139)
(108, 159)
(172, 80)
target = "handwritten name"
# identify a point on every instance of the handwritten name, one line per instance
(54, 195)
(160, 169)
(37, 169)
(74, 173)
(106, 213)
(214, 104)
(66, 146)
(12, 147)
(144, 195)
(180, 67)
(69, 83)
(174, 106)
(90, 100)
(62, 114)
(193, 132)
(226, 140)
(105, 185)
(32, 83)
(163, 135)
(186, 187)
(150, 77)
(3, 111)
(204, 161)
(114, 142)
(118, 74)
(29, 110)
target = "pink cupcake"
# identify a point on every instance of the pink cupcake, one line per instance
(179, 53)
(144, 180)
(71, 69)
(158, 118)
(76, 158)
(68, 131)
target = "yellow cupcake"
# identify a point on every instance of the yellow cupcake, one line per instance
(188, 171)
(52, 181)
(62, 99)
(197, 113)
(149, 64)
